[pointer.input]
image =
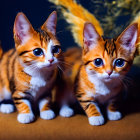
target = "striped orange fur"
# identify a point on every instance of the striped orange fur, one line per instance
(28, 72)
(76, 15)
(103, 66)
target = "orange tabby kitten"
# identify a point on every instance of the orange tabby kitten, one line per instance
(100, 74)
(28, 72)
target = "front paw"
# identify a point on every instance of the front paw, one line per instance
(7, 108)
(47, 115)
(66, 111)
(114, 115)
(96, 120)
(26, 117)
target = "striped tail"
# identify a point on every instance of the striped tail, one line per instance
(137, 19)
(76, 15)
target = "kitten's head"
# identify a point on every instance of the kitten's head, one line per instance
(37, 49)
(108, 59)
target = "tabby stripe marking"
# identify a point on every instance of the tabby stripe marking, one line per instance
(84, 101)
(17, 103)
(21, 98)
(106, 46)
(12, 80)
(79, 95)
(9, 57)
(92, 111)
(114, 46)
(87, 62)
(87, 107)
(44, 34)
(23, 53)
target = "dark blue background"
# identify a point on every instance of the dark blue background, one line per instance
(37, 12)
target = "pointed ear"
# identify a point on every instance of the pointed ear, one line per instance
(128, 38)
(50, 23)
(90, 36)
(22, 29)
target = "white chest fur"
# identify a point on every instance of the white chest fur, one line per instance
(104, 91)
(41, 81)
(37, 83)
(100, 87)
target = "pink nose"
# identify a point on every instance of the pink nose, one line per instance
(109, 72)
(51, 60)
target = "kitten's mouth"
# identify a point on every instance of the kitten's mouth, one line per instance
(107, 79)
(50, 65)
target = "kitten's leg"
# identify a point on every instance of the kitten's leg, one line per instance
(45, 111)
(66, 111)
(92, 110)
(64, 97)
(23, 105)
(112, 111)
(7, 105)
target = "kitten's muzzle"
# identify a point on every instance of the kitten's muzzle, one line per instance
(109, 72)
(51, 60)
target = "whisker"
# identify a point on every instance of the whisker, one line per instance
(128, 80)
(59, 71)
(65, 63)
(125, 88)
(124, 84)
(60, 68)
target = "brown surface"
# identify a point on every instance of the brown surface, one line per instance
(76, 127)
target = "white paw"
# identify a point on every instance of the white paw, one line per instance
(7, 108)
(114, 115)
(25, 117)
(96, 120)
(66, 111)
(47, 115)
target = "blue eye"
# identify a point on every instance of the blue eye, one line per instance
(56, 49)
(119, 62)
(98, 62)
(38, 52)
